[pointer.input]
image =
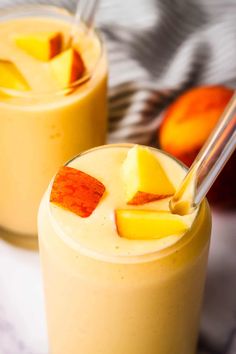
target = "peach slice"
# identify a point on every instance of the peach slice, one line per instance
(67, 67)
(76, 191)
(42, 46)
(11, 78)
(144, 177)
(148, 224)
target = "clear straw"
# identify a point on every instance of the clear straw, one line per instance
(85, 12)
(208, 164)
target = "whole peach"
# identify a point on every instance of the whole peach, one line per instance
(187, 124)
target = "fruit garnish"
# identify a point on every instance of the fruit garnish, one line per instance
(144, 177)
(148, 224)
(11, 78)
(67, 67)
(42, 46)
(76, 191)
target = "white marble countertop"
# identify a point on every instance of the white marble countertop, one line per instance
(22, 321)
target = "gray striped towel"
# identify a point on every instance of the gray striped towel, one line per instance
(157, 49)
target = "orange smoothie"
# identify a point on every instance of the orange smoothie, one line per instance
(43, 127)
(109, 293)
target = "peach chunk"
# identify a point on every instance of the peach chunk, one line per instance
(42, 46)
(11, 78)
(67, 67)
(187, 124)
(144, 177)
(76, 191)
(148, 224)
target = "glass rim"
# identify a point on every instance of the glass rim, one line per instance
(125, 259)
(24, 10)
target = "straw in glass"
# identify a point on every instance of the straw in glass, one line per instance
(208, 164)
(85, 12)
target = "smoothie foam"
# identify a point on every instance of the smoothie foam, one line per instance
(97, 234)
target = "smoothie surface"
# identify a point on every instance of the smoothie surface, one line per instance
(97, 233)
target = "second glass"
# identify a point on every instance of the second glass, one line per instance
(41, 130)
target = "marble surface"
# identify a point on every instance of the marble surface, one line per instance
(22, 318)
(22, 321)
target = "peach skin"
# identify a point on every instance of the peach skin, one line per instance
(76, 191)
(186, 126)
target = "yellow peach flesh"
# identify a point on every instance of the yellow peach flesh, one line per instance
(11, 78)
(148, 224)
(67, 67)
(145, 179)
(42, 46)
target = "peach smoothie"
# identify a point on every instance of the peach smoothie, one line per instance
(52, 105)
(122, 274)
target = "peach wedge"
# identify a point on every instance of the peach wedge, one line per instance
(42, 46)
(67, 67)
(144, 177)
(11, 78)
(76, 191)
(148, 224)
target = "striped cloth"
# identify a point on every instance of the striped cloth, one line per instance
(157, 49)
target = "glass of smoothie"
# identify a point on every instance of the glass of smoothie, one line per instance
(52, 105)
(121, 273)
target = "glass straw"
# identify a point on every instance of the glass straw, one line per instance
(85, 12)
(208, 163)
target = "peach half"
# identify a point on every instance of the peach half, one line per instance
(190, 119)
(186, 126)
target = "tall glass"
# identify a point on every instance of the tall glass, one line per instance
(98, 302)
(41, 131)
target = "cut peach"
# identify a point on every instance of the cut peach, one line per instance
(67, 67)
(148, 224)
(42, 46)
(144, 177)
(76, 191)
(11, 78)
